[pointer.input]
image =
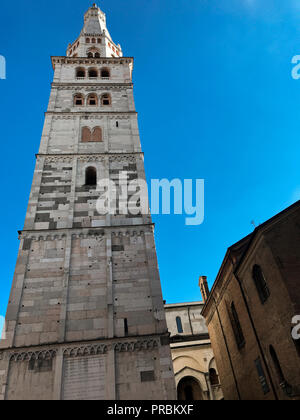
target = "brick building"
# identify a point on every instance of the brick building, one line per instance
(250, 309)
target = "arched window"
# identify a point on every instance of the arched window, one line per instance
(91, 176)
(179, 325)
(97, 55)
(99, 41)
(92, 99)
(213, 377)
(106, 100)
(105, 73)
(97, 134)
(277, 366)
(87, 40)
(79, 100)
(93, 40)
(86, 135)
(93, 73)
(261, 284)
(90, 55)
(236, 326)
(80, 72)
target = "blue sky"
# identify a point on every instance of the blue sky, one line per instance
(216, 100)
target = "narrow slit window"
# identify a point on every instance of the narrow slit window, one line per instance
(179, 325)
(236, 326)
(261, 284)
(277, 366)
(126, 330)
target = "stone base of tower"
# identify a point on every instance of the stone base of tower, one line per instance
(127, 369)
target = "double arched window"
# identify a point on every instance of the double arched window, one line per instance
(261, 284)
(91, 176)
(179, 325)
(93, 53)
(89, 135)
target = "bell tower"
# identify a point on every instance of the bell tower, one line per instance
(85, 318)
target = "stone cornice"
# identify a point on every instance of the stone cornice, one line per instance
(85, 60)
(48, 351)
(94, 86)
(84, 233)
(91, 157)
(90, 113)
(97, 82)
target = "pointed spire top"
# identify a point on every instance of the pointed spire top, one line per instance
(94, 40)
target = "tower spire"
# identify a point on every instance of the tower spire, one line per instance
(94, 31)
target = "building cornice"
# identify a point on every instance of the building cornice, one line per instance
(183, 305)
(85, 60)
(97, 82)
(90, 113)
(89, 157)
(88, 347)
(100, 232)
